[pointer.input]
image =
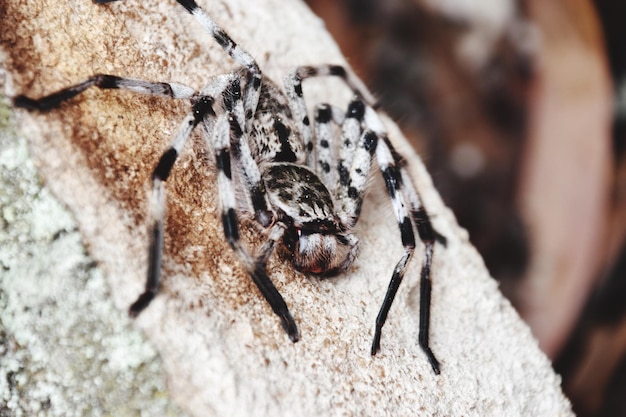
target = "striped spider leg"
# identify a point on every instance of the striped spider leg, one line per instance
(364, 137)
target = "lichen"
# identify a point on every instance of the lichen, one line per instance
(53, 361)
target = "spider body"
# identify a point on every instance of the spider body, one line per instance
(316, 240)
(304, 185)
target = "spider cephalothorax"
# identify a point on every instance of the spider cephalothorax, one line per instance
(304, 178)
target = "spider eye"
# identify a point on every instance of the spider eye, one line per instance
(291, 237)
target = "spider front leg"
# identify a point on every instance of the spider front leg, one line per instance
(293, 88)
(354, 166)
(105, 82)
(398, 186)
(428, 236)
(357, 149)
(325, 116)
(352, 185)
(253, 74)
(354, 158)
(202, 108)
(228, 132)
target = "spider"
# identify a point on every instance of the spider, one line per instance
(304, 192)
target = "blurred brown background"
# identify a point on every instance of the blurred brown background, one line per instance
(518, 109)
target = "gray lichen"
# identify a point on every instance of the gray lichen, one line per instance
(54, 362)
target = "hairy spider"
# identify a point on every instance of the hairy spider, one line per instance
(304, 191)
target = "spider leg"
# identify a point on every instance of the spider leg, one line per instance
(325, 115)
(236, 52)
(228, 134)
(428, 235)
(276, 232)
(418, 212)
(104, 81)
(202, 108)
(351, 130)
(230, 88)
(293, 88)
(399, 188)
(393, 184)
(354, 167)
(254, 76)
(355, 160)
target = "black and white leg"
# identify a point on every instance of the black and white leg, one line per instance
(237, 53)
(105, 82)
(401, 189)
(202, 109)
(229, 88)
(353, 182)
(354, 162)
(428, 235)
(241, 104)
(394, 179)
(354, 166)
(325, 117)
(293, 88)
(393, 184)
(253, 77)
(254, 266)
